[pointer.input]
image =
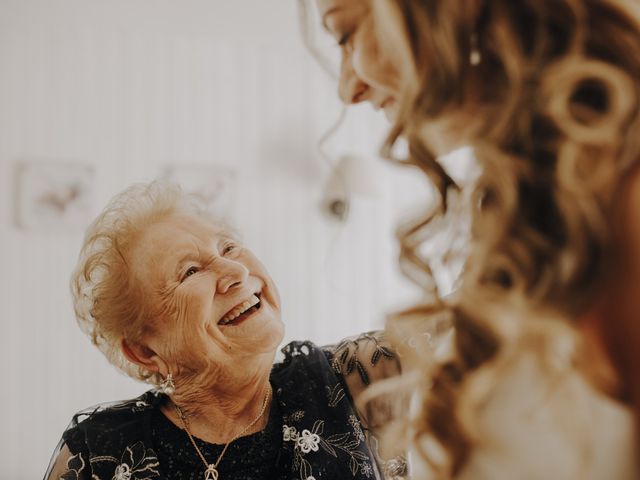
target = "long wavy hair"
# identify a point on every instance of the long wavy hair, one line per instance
(554, 98)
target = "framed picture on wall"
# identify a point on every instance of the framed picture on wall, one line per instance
(213, 185)
(52, 195)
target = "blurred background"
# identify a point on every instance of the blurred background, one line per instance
(222, 96)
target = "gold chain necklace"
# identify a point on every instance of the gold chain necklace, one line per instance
(211, 472)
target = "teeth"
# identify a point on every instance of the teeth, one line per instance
(239, 310)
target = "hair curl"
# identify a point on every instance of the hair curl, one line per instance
(556, 100)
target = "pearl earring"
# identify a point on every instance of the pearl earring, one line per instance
(167, 387)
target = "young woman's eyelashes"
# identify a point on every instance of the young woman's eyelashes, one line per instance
(345, 38)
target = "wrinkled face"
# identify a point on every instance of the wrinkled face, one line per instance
(365, 73)
(215, 301)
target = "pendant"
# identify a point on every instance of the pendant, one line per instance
(211, 473)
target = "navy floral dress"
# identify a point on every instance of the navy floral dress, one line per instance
(313, 431)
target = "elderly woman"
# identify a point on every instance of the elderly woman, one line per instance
(172, 298)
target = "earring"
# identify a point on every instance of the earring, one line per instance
(167, 387)
(475, 57)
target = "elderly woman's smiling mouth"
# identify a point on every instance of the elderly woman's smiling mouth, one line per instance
(241, 312)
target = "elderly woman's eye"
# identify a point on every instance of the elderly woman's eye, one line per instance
(228, 248)
(190, 271)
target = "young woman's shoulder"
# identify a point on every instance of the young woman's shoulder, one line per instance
(543, 418)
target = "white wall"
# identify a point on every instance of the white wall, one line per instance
(130, 86)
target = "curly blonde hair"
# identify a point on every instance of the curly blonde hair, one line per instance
(109, 302)
(556, 101)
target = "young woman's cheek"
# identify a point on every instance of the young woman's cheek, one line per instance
(367, 60)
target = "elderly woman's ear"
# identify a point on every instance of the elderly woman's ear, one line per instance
(144, 357)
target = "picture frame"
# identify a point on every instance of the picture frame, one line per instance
(53, 195)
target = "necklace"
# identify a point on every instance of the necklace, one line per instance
(211, 472)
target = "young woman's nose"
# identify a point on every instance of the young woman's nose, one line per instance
(351, 88)
(232, 275)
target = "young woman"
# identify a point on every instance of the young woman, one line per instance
(544, 379)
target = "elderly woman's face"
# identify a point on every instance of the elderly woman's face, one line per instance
(214, 300)
(365, 73)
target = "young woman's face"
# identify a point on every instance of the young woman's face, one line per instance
(213, 299)
(365, 73)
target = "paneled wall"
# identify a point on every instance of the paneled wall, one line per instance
(130, 86)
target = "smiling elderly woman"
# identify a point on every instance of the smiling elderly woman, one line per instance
(173, 299)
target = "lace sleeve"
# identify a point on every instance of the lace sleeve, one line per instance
(67, 466)
(362, 361)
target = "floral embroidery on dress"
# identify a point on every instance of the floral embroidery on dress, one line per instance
(308, 441)
(357, 429)
(366, 469)
(123, 472)
(75, 466)
(294, 417)
(335, 394)
(343, 444)
(289, 433)
(136, 463)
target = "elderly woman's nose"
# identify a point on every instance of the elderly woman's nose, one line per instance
(351, 88)
(232, 274)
